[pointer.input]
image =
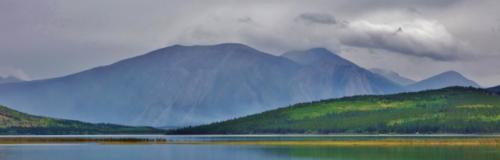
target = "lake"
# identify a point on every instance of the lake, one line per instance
(207, 150)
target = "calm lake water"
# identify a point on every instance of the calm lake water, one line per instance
(94, 151)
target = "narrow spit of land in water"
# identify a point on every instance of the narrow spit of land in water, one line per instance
(104, 139)
(311, 140)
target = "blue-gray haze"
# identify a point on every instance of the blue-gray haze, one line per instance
(190, 85)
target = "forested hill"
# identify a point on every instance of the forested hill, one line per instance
(13, 123)
(448, 110)
(495, 89)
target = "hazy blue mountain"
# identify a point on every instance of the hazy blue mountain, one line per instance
(188, 85)
(326, 75)
(393, 76)
(445, 79)
(177, 85)
(9, 79)
(315, 56)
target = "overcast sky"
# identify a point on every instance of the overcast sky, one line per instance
(416, 38)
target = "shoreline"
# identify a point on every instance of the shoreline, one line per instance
(366, 140)
(259, 135)
(389, 142)
(54, 140)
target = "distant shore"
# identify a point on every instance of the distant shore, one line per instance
(75, 139)
(387, 142)
(329, 140)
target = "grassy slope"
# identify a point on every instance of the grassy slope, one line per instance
(13, 122)
(449, 110)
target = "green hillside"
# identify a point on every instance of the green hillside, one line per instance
(449, 110)
(13, 122)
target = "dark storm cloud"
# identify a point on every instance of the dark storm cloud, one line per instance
(320, 18)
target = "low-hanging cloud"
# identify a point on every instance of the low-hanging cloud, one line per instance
(420, 38)
(316, 18)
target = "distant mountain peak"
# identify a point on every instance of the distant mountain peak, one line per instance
(315, 56)
(445, 79)
(184, 85)
(176, 85)
(320, 50)
(451, 73)
(202, 56)
(237, 45)
(235, 48)
(327, 70)
(220, 45)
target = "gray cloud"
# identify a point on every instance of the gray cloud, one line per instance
(59, 37)
(320, 18)
(419, 38)
(245, 20)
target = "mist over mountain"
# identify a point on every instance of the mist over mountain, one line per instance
(188, 85)
(393, 76)
(442, 80)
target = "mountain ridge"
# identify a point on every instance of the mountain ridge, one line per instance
(188, 85)
(393, 76)
(325, 69)
(146, 77)
(315, 55)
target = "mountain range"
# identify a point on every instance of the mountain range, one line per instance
(442, 80)
(324, 75)
(445, 79)
(190, 85)
(448, 110)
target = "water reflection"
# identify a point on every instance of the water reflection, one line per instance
(243, 152)
(387, 153)
(94, 151)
